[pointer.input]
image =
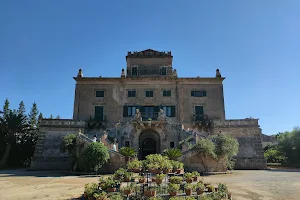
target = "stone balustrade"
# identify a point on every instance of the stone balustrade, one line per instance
(61, 122)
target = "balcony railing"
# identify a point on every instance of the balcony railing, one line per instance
(196, 118)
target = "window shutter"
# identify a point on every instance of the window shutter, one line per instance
(99, 112)
(125, 111)
(204, 93)
(192, 93)
(173, 111)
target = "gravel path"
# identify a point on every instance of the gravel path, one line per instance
(275, 184)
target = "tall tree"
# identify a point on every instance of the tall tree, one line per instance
(6, 109)
(40, 117)
(33, 115)
(57, 117)
(51, 116)
(12, 124)
(21, 109)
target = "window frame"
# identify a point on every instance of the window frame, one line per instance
(131, 90)
(150, 91)
(137, 71)
(99, 90)
(166, 90)
(201, 93)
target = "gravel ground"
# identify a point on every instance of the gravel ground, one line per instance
(274, 184)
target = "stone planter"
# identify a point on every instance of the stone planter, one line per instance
(150, 193)
(188, 192)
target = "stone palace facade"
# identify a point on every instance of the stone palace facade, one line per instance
(150, 109)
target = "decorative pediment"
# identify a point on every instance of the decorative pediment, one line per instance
(149, 53)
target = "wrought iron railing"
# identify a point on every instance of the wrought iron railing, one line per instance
(199, 118)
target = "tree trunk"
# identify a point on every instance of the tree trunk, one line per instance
(5, 156)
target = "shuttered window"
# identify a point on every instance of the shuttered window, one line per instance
(99, 93)
(169, 110)
(149, 93)
(198, 93)
(131, 93)
(99, 113)
(166, 93)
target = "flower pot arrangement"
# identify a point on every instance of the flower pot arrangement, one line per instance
(188, 188)
(200, 188)
(135, 166)
(159, 178)
(188, 177)
(173, 189)
(195, 175)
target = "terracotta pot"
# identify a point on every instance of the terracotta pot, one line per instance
(166, 171)
(142, 180)
(153, 179)
(188, 192)
(127, 192)
(172, 194)
(210, 189)
(149, 193)
(180, 171)
(158, 181)
(152, 171)
(111, 189)
(136, 170)
(199, 192)
(85, 195)
(189, 180)
(126, 179)
(195, 178)
(91, 198)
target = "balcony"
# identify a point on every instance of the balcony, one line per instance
(202, 122)
(147, 116)
(199, 118)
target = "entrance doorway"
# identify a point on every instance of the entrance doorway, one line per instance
(149, 143)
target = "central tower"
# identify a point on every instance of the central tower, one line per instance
(149, 63)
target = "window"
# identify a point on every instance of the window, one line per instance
(129, 111)
(172, 145)
(99, 113)
(198, 93)
(163, 71)
(131, 93)
(100, 93)
(149, 93)
(169, 111)
(127, 144)
(199, 112)
(134, 71)
(166, 93)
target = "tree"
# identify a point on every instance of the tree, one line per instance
(33, 115)
(40, 117)
(12, 124)
(274, 156)
(93, 157)
(57, 117)
(21, 109)
(6, 109)
(51, 116)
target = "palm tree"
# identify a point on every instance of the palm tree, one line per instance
(11, 125)
(173, 154)
(127, 152)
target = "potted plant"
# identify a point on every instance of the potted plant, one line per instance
(89, 190)
(176, 179)
(178, 167)
(206, 184)
(167, 167)
(128, 189)
(200, 188)
(159, 178)
(195, 175)
(153, 179)
(151, 192)
(135, 166)
(210, 188)
(110, 184)
(127, 152)
(153, 168)
(127, 176)
(188, 177)
(142, 179)
(119, 174)
(188, 189)
(101, 196)
(173, 189)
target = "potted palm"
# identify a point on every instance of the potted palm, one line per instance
(135, 166)
(195, 175)
(200, 188)
(173, 189)
(172, 153)
(127, 152)
(188, 189)
(188, 177)
(159, 178)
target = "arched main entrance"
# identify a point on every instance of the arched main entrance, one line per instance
(149, 143)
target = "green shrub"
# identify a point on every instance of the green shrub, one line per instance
(68, 143)
(135, 164)
(128, 151)
(172, 154)
(195, 173)
(120, 173)
(274, 156)
(92, 158)
(172, 187)
(90, 189)
(176, 179)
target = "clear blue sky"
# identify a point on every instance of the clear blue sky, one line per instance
(255, 44)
